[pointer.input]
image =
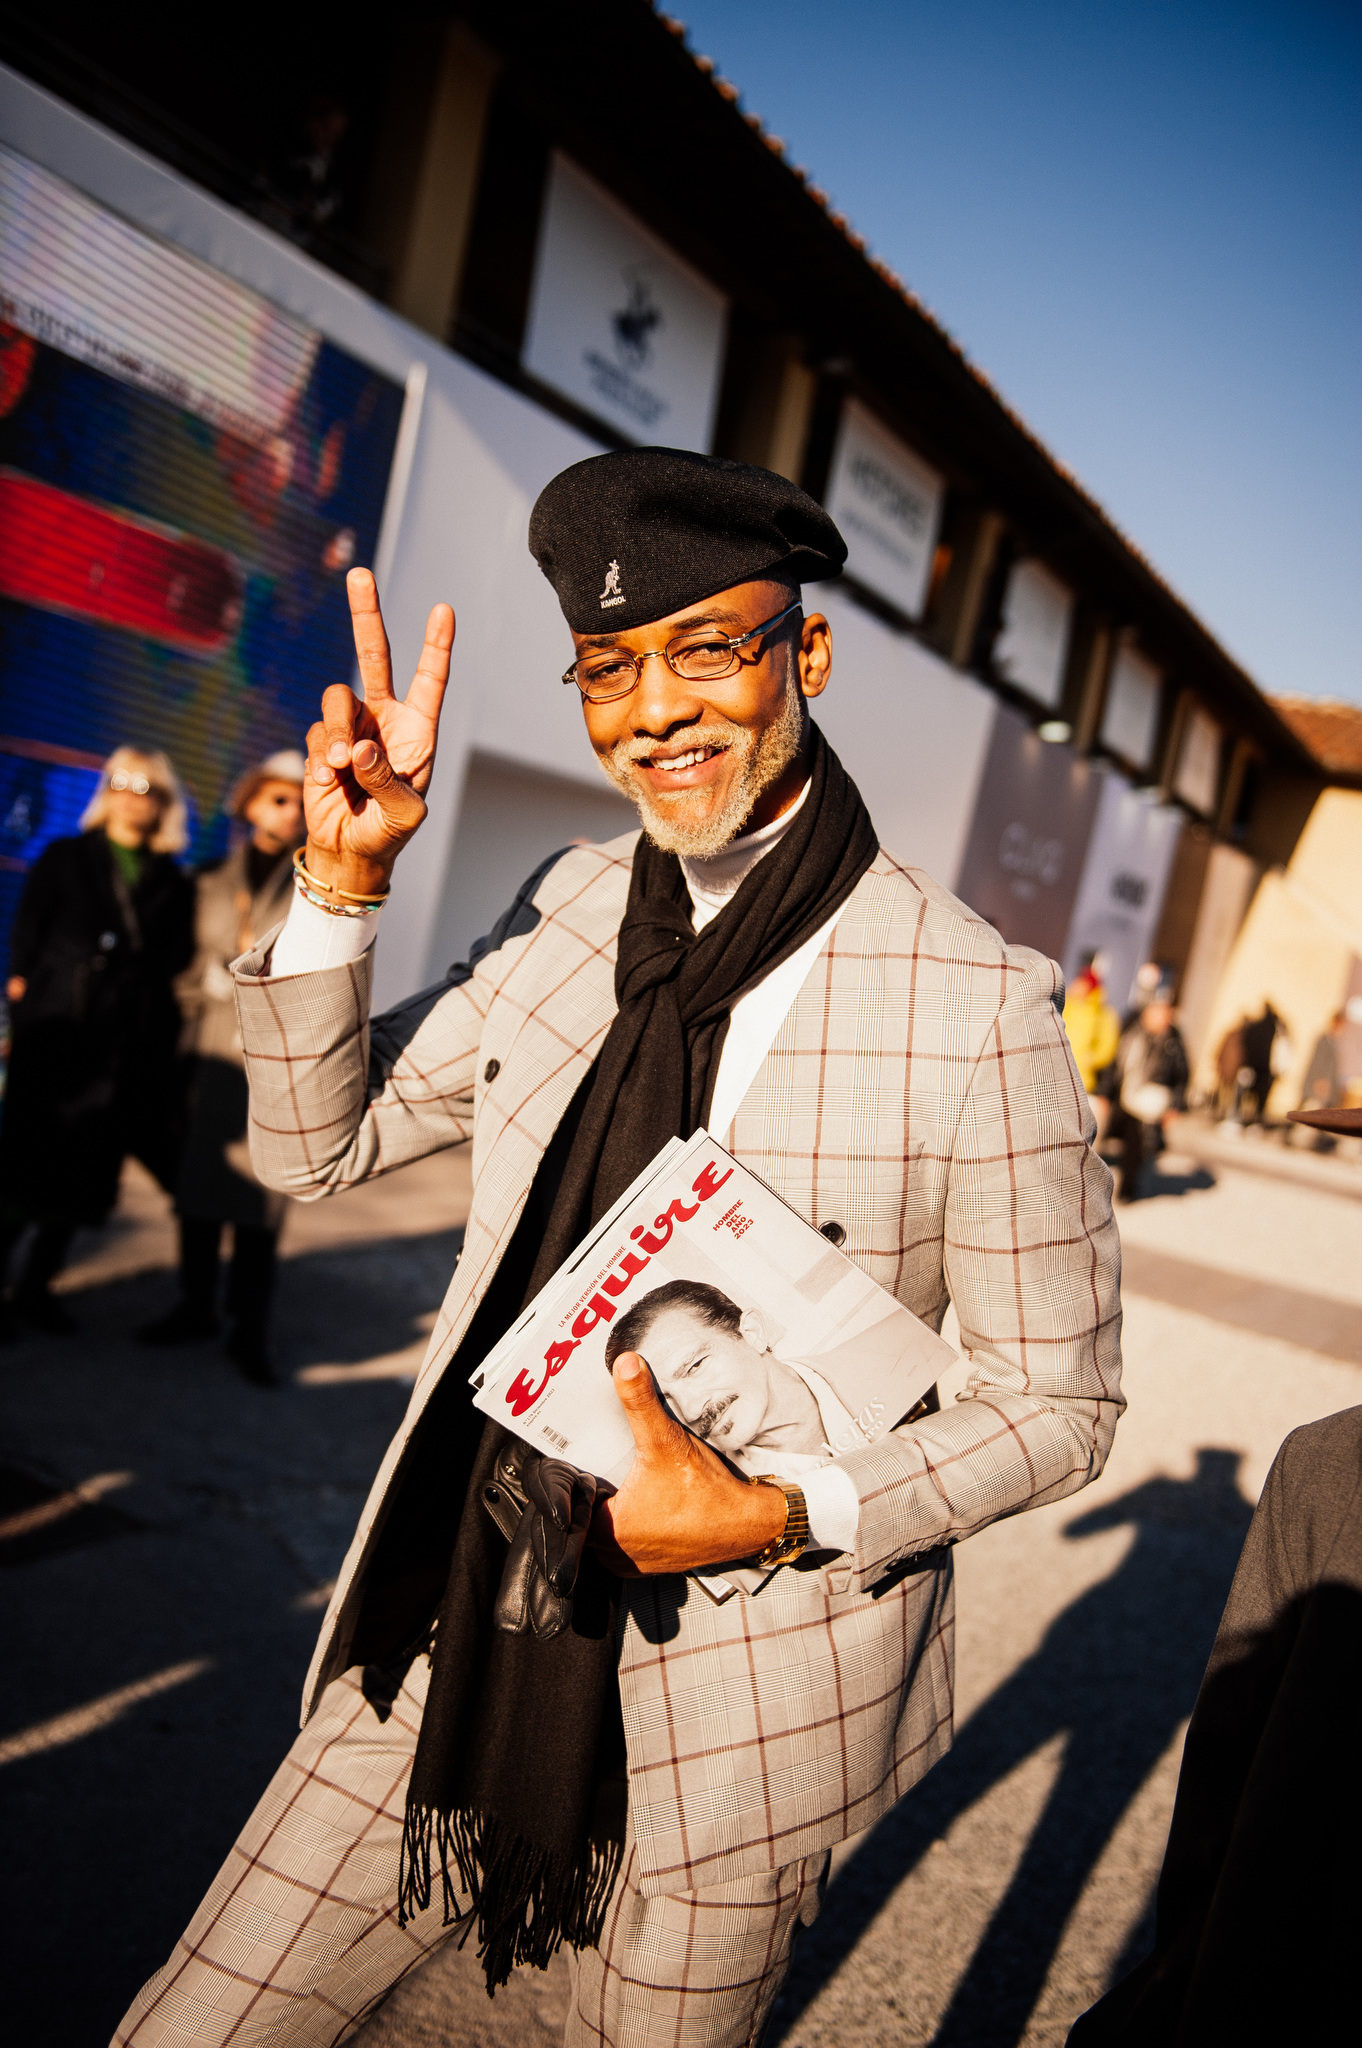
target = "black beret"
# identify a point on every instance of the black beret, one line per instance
(633, 536)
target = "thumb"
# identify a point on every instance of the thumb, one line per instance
(655, 1431)
(373, 771)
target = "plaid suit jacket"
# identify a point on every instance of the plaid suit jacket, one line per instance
(921, 1093)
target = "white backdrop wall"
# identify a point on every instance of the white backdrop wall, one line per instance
(456, 520)
(912, 733)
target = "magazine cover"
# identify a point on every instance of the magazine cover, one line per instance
(763, 1339)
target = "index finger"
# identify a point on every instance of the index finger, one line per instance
(371, 639)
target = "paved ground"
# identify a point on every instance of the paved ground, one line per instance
(164, 1579)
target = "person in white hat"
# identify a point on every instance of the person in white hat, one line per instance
(238, 899)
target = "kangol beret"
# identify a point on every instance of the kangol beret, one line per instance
(633, 536)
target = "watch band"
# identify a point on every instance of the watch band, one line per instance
(794, 1537)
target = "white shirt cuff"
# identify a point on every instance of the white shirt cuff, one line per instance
(314, 938)
(834, 1508)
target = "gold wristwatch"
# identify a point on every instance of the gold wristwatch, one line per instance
(794, 1537)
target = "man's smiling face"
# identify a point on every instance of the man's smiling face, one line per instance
(705, 760)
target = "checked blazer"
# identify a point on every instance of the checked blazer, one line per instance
(920, 1093)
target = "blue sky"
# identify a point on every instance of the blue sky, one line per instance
(1144, 224)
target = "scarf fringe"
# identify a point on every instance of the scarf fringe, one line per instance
(527, 1900)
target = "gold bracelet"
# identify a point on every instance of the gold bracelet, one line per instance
(330, 889)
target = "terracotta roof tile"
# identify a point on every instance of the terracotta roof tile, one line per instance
(1331, 729)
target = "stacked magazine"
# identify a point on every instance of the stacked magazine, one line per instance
(763, 1338)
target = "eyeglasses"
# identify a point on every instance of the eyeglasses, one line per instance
(136, 785)
(613, 672)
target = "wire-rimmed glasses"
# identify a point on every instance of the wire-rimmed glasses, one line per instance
(700, 657)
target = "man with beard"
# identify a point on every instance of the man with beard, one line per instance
(653, 1778)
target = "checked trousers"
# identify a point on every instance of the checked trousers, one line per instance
(297, 1940)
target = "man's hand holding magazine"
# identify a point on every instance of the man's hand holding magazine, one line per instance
(681, 1509)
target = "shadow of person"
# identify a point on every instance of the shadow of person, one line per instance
(1115, 1674)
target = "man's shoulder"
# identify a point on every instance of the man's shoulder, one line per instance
(903, 896)
(594, 877)
(907, 918)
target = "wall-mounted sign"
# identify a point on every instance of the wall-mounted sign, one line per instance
(1130, 721)
(1032, 822)
(618, 323)
(1125, 875)
(887, 503)
(1033, 642)
(1198, 776)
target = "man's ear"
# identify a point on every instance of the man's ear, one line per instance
(752, 1326)
(815, 655)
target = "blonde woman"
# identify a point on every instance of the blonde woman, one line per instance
(105, 923)
(239, 899)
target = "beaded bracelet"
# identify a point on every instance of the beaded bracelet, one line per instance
(336, 909)
(324, 897)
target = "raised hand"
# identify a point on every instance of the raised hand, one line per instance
(369, 762)
(681, 1508)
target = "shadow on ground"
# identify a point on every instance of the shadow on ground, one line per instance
(158, 1624)
(1116, 1674)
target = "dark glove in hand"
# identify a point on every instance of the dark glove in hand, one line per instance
(546, 1551)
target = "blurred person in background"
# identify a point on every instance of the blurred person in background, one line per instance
(1264, 1042)
(1148, 977)
(237, 901)
(105, 923)
(1094, 1031)
(1152, 1073)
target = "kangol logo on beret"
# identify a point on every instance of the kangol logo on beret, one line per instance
(612, 594)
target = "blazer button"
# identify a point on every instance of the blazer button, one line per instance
(833, 1232)
(491, 1070)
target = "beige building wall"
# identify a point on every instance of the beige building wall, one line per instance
(1298, 943)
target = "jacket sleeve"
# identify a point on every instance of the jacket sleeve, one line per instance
(40, 906)
(1033, 1264)
(336, 1099)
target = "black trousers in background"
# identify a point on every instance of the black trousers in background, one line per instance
(250, 1278)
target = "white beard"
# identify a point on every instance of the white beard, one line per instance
(762, 759)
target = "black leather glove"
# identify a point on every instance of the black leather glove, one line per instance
(555, 1501)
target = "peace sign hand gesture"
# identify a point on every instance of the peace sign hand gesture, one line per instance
(369, 762)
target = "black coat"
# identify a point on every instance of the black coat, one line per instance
(1260, 1895)
(94, 1072)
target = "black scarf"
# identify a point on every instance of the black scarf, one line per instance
(518, 1774)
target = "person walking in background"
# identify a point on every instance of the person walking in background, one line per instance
(1260, 1036)
(1094, 1031)
(1152, 1074)
(237, 901)
(104, 925)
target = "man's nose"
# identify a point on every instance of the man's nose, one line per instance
(662, 699)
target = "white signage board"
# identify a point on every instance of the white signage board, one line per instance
(618, 323)
(1125, 874)
(1130, 721)
(887, 503)
(1033, 644)
(1198, 776)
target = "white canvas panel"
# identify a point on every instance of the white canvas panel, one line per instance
(1130, 721)
(618, 322)
(1198, 776)
(887, 502)
(1125, 874)
(911, 730)
(1033, 643)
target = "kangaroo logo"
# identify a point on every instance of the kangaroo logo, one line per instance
(612, 594)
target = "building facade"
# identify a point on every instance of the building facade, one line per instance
(261, 323)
